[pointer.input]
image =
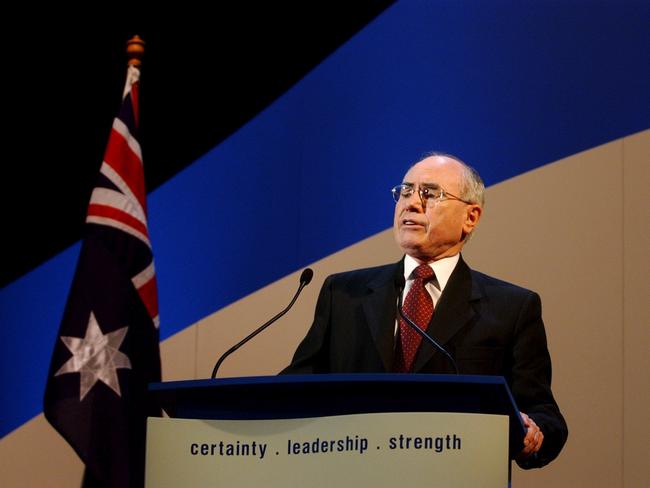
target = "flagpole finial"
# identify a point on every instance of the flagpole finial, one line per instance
(135, 50)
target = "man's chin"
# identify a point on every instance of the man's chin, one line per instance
(413, 249)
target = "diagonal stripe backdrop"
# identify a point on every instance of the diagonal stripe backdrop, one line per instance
(509, 86)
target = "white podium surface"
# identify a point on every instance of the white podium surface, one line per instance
(379, 450)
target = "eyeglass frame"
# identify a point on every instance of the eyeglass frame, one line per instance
(423, 193)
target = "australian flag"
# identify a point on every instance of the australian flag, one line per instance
(107, 350)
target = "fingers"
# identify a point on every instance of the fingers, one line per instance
(533, 442)
(534, 436)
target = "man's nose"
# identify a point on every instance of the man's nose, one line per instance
(414, 202)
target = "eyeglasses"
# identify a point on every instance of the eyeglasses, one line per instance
(430, 195)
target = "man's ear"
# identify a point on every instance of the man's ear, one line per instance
(472, 216)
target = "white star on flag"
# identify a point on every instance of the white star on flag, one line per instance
(96, 357)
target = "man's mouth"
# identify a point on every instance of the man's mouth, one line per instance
(411, 223)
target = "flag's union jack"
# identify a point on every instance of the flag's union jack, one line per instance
(119, 200)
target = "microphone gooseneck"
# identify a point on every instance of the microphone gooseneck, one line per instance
(399, 284)
(305, 279)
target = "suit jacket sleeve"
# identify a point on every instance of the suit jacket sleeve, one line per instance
(530, 381)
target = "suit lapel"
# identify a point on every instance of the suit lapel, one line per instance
(453, 311)
(380, 309)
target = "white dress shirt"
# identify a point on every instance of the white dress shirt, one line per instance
(442, 269)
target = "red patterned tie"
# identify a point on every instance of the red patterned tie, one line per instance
(418, 306)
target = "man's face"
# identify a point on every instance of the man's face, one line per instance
(439, 230)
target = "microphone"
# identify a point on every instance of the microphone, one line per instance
(399, 284)
(305, 279)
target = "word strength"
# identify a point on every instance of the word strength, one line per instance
(437, 444)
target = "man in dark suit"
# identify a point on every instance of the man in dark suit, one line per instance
(488, 326)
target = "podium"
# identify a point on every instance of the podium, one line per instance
(223, 425)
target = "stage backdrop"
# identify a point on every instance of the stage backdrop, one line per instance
(550, 101)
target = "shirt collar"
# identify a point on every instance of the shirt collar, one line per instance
(442, 268)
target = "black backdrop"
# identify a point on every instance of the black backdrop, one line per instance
(206, 72)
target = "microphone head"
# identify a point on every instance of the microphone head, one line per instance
(306, 276)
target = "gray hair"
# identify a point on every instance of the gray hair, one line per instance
(473, 188)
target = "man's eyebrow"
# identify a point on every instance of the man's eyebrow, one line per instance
(432, 186)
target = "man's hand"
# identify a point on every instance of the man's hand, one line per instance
(534, 437)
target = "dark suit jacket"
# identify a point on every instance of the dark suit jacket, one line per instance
(489, 326)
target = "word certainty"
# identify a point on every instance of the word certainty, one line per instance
(227, 449)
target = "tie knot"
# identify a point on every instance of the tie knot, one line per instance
(423, 272)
